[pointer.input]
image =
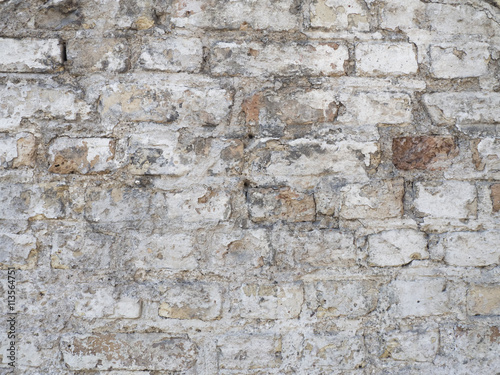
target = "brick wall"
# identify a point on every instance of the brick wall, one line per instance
(251, 186)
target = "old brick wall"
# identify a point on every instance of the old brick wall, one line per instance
(251, 186)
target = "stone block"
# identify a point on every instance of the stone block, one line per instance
(420, 298)
(423, 152)
(17, 150)
(128, 351)
(495, 197)
(94, 55)
(353, 299)
(270, 205)
(469, 249)
(447, 199)
(375, 59)
(81, 155)
(377, 200)
(243, 351)
(418, 345)
(30, 55)
(396, 247)
(101, 302)
(171, 54)
(293, 58)
(340, 15)
(18, 250)
(402, 14)
(483, 300)
(467, 60)
(188, 300)
(271, 301)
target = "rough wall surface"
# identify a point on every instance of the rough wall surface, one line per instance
(251, 186)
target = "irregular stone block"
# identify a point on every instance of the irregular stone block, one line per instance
(396, 247)
(423, 152)
(488, 156)
(469, 249)
(411, 345)
(17, 151)
(192, 301)
(269, 205)
(271, 301)
(402, 14)
(495, 197)
(101, 303)
(447, 199)
(341, 351)
(468, 60)
(424, 297)
(92, 55)
(346, 298)
(243, 351)
(18, 250)
(463, 107)
(171, 54)
(128, 351)
(256, 59)
(23, 100)
(374, 59)
(261, 14)
(30, 55)
(379, 199)
(483, 300)
(370, 108)
(81, 155)
(340, 15)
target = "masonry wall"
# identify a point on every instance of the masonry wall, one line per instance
(251, 186)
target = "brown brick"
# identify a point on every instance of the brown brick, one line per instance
(422, 152)
(495, 197)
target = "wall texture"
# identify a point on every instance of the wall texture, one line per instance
(251, 186)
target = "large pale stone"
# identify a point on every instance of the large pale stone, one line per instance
(396, 247)
(30, 55)
(17, 150)
(412, 345)
(452, 61)
(376, 59)
(340, 15)
(424, 297)
(483, 300)
(172, 54)
(93, 55)
(17, 250)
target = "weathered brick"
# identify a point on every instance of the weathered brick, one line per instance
(257, 59)
(173, 251)
(483, 300)
(376, 59)
(370, 108)
(30, 55)
(467, 60)
(77, 247)
(165, 100)
(377, 200)
(346, 298)
(198, 205)
(116, 204)
(402, 14)
(163, 152)
(128, 351)
(304, 157)
(424, 297)
(495, 197)
(81, 155)
(331, 353)
(340, 15)
(23, 100)
(269, 205)
(18, 250)
(101, 303)
(463, 107)
(317, 248)
(270, 301)
(92, 55)
(17, 151)
(423, 152)
(396, 247)
(24, 201)
(171, 54)
(469, 249)
(191, 301)
(411, 345)
(243, 351)
(448, 199)
(213, 14)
